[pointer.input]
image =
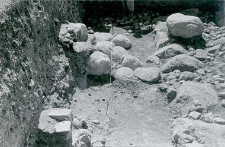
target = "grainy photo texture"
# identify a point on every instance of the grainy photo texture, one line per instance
(112, 73)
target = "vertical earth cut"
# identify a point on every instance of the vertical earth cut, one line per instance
(33, 68)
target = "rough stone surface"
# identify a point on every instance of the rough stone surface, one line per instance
(121, 40)
(82, 47)
(219, 41)
(171, 93)
(161, 39)
(190, 92)
(131, 62)
(184, 26)
(208, 117)
(201, 54)
(98, 64)
(91, 39)
(105, 47)
(214, 49)
(220, 121)
(77, 124)
(170, 51)
(183, 138)
(118, 53)
(204, 133)
(64, 126)
(163, 87)
(61, 114)
(194, 115)
(54, 132)
(182, 62)
(81, 138)
(125, 74)
(187, 76)
(103, 36)
(73, 32)
(148, 74)
(161, 35)
(161, 27)
(153, 59)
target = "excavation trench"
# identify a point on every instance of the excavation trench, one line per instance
(37, 72)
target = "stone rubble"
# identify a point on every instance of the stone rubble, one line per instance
(181, 71)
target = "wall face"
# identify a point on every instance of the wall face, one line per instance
(33, 68)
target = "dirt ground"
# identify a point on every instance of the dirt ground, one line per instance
(138, 115)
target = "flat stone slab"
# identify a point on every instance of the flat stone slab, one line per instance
(55, 131)
(61, 114)
(64, 126)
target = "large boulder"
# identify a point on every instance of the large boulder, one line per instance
(148, 74)
(184, 26)
(192, 94)
(101, 36)
(131, 62)
(170, 51)
(73, 32)
(121, 40)
(98, 64)
(125, 74)
(182, 62)
(105, 47)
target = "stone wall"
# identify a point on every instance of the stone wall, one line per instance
(33, 67)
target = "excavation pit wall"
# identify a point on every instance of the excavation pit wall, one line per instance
(34, 69)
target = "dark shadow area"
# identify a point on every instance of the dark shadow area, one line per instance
(99, 14)
(195, 42)
(94, 80)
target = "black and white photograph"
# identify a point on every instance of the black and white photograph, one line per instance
(112, 73)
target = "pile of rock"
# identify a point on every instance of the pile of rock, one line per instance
(191, 132)
(187, 79)
(197, 126)
(91, 53)
(55, 128)
(58, 128)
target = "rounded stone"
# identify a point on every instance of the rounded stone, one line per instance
(98, 64)
(121, 40)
